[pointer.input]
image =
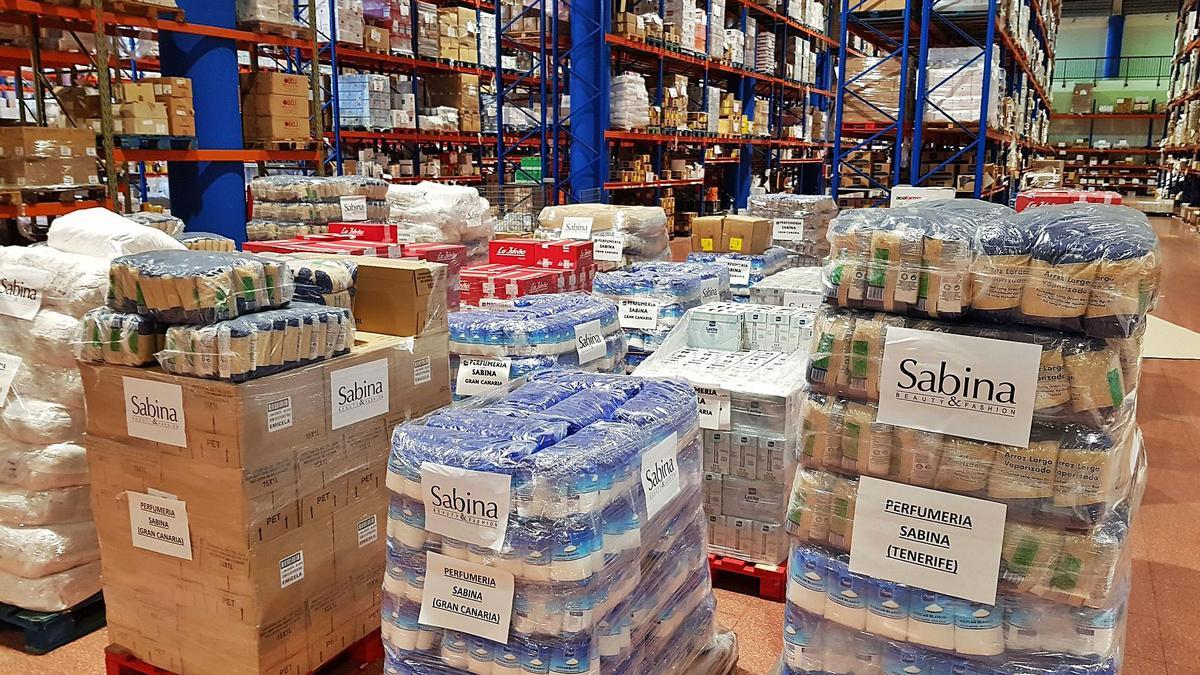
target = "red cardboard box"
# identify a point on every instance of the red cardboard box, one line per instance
(567, 254)
(1031, 198)
(385, 232)
(453, 256)
(524, 282)
(521, 252)
(356, 247)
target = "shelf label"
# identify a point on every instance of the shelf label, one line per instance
(714, 408)
(739, 270)
(576, 227)
(959, 384)
(638, 314)
(21, 290)
(159, 524)
(589, 341)
(608, 247)
(788, 229)
(478, 375)
(938, 541)
(354, 208)
(468, 597)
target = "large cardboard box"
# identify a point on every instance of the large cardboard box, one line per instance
(268, 82)
(400, 297)
(706, 233)
(744, 234)
(275, 105)
(274, 127)
(260, 507)
(31, 142)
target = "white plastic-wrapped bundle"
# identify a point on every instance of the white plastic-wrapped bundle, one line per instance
(289, 206)
(641, 230)
(799, 223)
(41, 507)
(436, 212)
(40, 550)
(956, 80)
(630, 102)
(42, 467)
(52, 592)
(101, 233)
(592, 526)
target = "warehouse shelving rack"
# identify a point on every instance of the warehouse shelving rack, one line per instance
(1181, 174)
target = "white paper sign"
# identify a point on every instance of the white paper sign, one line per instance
(589, 341)
(907, 194)
(959, 384)
(291, 569)
(714, 408)
(934, 540)
(802, 300)
(739, 270)
(359, 392)
(710, 290)
(159, 524)
(466, 505)
(154, 411)
(368, 530)
(494, 302)
(354, 208)
(479, 375)
(660, 474)
(466, 596)
(21, 290)
(788, 229)
(638, 314)
(422, 370)
(9, 365)
(577, 227)
(608, 247)
(279, 414)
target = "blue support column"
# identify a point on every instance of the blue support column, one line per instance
(209, 196)
(589, 73)
(1112, 46)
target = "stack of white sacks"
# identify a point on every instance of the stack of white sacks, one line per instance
(435, 212)
(630, 107)
(956, 73)
(49, 553)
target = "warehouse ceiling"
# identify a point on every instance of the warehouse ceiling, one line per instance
(1074, 8)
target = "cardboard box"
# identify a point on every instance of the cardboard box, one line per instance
(377, 39)
(276, 127)
(400, 297)
(1082, 98)
(181, 116)
(744, 234)
(47, 172)
(275, 105)
(706, 233)
(283, 485)
(32, 143)
(270, 82)
(134, 92)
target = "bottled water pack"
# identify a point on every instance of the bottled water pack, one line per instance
(761, 266)
(596, 521)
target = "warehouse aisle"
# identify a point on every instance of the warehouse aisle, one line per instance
(1162, 640)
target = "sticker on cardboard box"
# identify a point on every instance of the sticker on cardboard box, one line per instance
(279, 414)
(21, 290)
(467, 505)
(608, 247)
(739, 270)
(422, 370)
(467, 597)
(934, 540)
(577, 227)
(159, 524)
(368, 530)
(291, 569)
(714, 408)
(788, 229)
(154, 411)
(9, 365)
(962, 385)
(660, 474)
(358, 393)
(589, 341)
(639, 314)
(354, 208)
(479, 375)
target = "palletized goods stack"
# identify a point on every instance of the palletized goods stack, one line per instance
(971, 410)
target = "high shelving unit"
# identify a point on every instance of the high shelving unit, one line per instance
(1181, 145)
(929, 130)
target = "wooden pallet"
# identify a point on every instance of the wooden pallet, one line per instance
(134, 8)
(291, 145)
(140, 142)
(47, 631)
(286, 30)
(771, 579)
(357, 656)
(50, 194)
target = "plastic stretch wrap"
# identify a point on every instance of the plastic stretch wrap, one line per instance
(259, 344)
(74, 284)
(604, 581)
(260, 229)
(643, 229)
(294, 217)
(652, 301)
(291, 206)
(100, 233)
(37, 422)
(840, 623)
(800, 223)
(1091, 268)
(160, 221)
(762, 266)
(61, 384)
(196, 287)
(267, 11)
(37, 551)
(119, 338)
(1084, 380)
(630, 107)
(42, 467)
(46, 338)
(732, 326)
(437, 212)
(1082, 568)
(956, 94)
(322, 281)
(54, 592)
(206, 241)
(43, 507)
(789, 286)
(316, 188)
(539, 331)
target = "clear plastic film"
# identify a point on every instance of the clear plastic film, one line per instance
(206, 241)
(540, 331)
(290, 188)
(41, 507)
(163, 222)
(321, 280)
(652, 301)
(42, 467)
(1084, 568)
(259, 344)
(119, 338)
(606, 578)
(74, 283)
(642, 229)
(630, 108)
(38, 551)
(1083, 380)
(762, 266)
(1091, 268)
(102, 234)
(800, 223)
(437, 212)
(788, 287)
(53, 592)
(289, 206)
(195, 287)
(38, 422)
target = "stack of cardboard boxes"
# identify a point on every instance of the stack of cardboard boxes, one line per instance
(458, 34)
(632, 168)
(275, 106)
(959, 174)
(365, 101)
(731, 234)
(878, 81)
(1082, 98)
(729, 119)
(155, 107)
(40, 156)
(877, 164)
(459, 91)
